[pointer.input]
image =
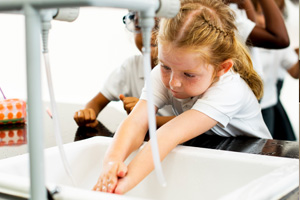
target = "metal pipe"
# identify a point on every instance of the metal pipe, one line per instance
(34, 99)
(147, 22)
(137, 5)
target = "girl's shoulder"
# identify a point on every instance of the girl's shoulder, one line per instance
(228, 79)
(230, 85)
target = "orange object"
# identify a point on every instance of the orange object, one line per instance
(12, 111)
(13, 134)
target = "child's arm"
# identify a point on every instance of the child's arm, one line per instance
(274, 35)
(130, 102)
(161, 120)
(129, 137)
(294, 70)
(247, 5)
(88, 116)
(182, 128)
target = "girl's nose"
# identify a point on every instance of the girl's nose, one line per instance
(174, 82)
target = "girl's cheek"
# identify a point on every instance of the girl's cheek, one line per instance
(192, 81)
(166, 80)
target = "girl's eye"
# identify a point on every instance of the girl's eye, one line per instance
(189, 75)
(165, 67)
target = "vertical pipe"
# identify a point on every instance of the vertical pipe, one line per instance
(147, 23)
(34, 98)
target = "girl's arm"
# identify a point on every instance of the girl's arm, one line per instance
(129, 137)
(130, 102)
(182, 128)
(274, 35)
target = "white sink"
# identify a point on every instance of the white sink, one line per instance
(190, 172)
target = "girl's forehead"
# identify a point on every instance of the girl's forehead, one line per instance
(182, 58)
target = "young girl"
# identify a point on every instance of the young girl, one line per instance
(206, 74)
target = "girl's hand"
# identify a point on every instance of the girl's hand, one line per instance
(109, 177)
(128, 102)
(86, 117)
(123, 185)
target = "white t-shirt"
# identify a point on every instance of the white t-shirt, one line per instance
(128, 79)
(292, 26)
(243, 24)
(292, 22)
(229, 101)
(274, 60)
(244, 27)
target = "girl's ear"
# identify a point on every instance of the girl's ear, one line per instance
(225, 67)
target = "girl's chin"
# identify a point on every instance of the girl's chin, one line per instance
(179, 96)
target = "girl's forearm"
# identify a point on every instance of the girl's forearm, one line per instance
(142, 165)
(129, 136)
(127, 139)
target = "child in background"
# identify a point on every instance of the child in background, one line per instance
(124, 83)
(273, 61)
(290, 12)
(283, 128)
(206, 74)
(272, 36)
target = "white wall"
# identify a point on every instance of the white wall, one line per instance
(82, 54)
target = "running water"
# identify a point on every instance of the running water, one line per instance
(56, 121)
(152, 121)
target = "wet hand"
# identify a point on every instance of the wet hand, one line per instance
(124, 185)
(86, 117)
(128, 102)
(109, 177)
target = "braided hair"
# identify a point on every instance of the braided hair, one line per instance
(208, 27)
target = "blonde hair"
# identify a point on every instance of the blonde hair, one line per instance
(207, 27)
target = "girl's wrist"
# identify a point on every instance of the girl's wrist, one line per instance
(112, 157)
(111, 161)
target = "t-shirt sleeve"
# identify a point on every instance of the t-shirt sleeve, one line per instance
(117, 82)
(289, 58)
(243, 24)
(160, 92)
(221, 102)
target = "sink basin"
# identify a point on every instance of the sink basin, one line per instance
(190, 172)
